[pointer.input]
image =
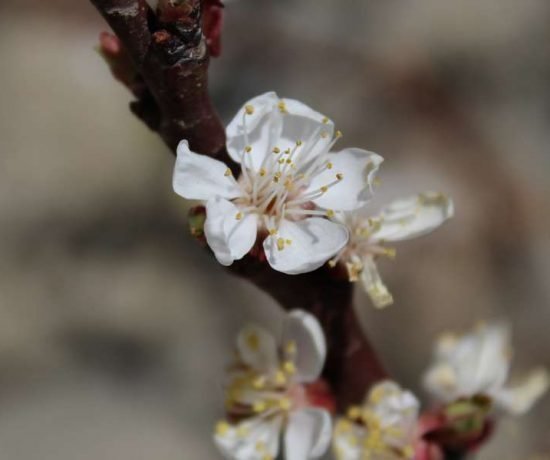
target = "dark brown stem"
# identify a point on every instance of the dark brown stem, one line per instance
(170, 55)
(172, 60)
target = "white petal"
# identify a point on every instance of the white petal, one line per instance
(373, 284)
(302, 123)
(519, 399)
(313, 241)
(252, 439)
(304, 330)
(397, 409)
(482, 359)
(344, 441)
(441, 382)
(257, 348)
(476, 363)
(355, 189)
(198, 177)
(414, 216)
(229, 237)
(241, 234)
(308, 434)
(260, 130)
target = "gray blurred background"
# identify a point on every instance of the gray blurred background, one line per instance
(115, 326)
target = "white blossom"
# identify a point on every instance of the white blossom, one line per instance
(478, 363)
(267, 397)
(383, 428)
(401, 220)
(288, 184)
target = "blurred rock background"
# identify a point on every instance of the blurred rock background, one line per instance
(115, 326)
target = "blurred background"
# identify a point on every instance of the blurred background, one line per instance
(115, 326)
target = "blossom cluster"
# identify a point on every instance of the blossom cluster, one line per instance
(303, 203)
(287, 199)
(274, 392)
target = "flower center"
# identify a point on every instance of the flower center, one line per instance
(279, 188)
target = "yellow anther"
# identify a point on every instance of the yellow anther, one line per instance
(332, 263)
(277, 176)
(288, 160)
(338, 134)
(339, 176)
(287, 151)
(329, 165)
(354, 270)
(298, 143)
(354, 412)
(253, 341)
(330, 213)
(276, 150)
(325, 120)
(248, 149)
(259, 406)
(222, 428)
(390, 253)
(227, 172)
(323, 189)
(282, 107)
(259, 382)
(263, 172)
(280, 244)
(377, 394)
(272, 231)
(239, 215)
(285, 404)
(249, 109)
(289, 367)
(242, 431)
(290, 347)
(344, 426)
(281, 161)
(280, 378)
(288, 242)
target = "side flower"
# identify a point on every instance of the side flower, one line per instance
(383, 428)
(476, 365)
(267, 394)
(289, 183)
(401, 220)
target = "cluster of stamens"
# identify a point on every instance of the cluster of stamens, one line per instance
(364, 428)
(361, 245)
(277, 190)
(265, 395)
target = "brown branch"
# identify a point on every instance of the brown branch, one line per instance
(172, 60)
(170, 55)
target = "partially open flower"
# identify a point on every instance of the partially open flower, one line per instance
(477, 365)
(267, 394)
(401, 220)
(383, 428)
(289, 184)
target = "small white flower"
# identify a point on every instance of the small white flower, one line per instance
(289, 183)
(478, 363)
(401, 220)
(266, 396)
(383, 428)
